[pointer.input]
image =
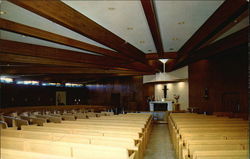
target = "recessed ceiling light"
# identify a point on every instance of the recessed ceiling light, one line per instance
(23, 36)
(2, 12)
(149, 50)
(182, 22)
(236, 21)
(171, 49)
(111, 8)
(175, 39)
(141, 41)
(130, 28)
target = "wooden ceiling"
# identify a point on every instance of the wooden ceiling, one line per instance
(114, 56)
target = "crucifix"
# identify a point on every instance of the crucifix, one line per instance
(165, 89)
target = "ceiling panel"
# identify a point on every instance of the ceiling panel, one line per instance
(23, 16)
(124, 18)
(179, 20)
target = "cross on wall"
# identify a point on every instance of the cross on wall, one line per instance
(165, 89)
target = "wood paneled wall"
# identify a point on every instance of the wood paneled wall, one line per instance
(130, 90)
(133, 94)
(225, 77)
(22, 95)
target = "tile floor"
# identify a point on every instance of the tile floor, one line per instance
(160, 144)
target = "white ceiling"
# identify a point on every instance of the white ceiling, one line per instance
(23, 16)
(192, 13)
(124, 18)
(125, 14)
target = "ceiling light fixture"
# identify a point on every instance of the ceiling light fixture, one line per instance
(181, 22)
(130, 28)
(164, 62)
(2, 12)
(142, 41)
(111, 8)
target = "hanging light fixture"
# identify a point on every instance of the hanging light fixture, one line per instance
(164, 63)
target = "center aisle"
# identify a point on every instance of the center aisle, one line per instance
(160, 144)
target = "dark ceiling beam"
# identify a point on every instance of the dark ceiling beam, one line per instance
(166, 55)
(60, 13)
(54, 53)
(63, 70)
(228, 27)
(7, 57)
(61, 54)
(48, 36)
(150, 13)
(236, 39)
(13, 58)
(225, 14)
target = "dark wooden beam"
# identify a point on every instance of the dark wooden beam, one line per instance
(228, 27)
(61, 54)
(53, 53)
(149, 10)
(63, 70)
(7, 57)
(224, 15)
(229, 42)
(166, 55)
(66, 16)
(170, 65)
(48, 36)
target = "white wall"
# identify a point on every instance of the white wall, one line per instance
(180, 88)
(179, 74)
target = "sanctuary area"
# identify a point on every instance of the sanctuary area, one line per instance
(124, 79)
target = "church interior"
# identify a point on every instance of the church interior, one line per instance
(124, 79)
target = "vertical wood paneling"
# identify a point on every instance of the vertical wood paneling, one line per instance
(133, 94)
(222, 75)
(22, 95)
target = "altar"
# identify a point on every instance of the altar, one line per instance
(161, 105)
(160, 110)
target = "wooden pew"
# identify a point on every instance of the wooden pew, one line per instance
(132, 126)
(242, 154)
(3, 125)
(34, 120)
(64, 149)
(50, 118)
(127, 143)
(93, 132)
(15, 154)
(116, 129)
(184, 128)
(212, 145)
(15, 122)
(119, 130)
